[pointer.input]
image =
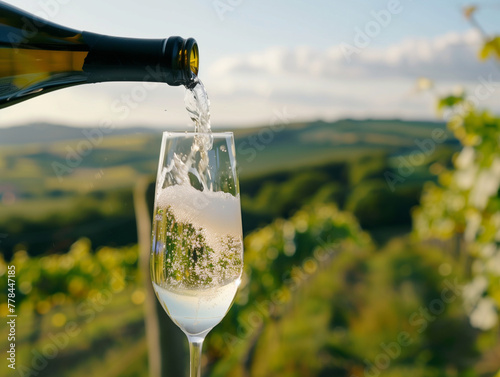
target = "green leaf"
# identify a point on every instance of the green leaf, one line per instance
(450, 101)
(491, 48)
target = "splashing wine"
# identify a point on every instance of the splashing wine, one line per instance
(204, 255)
(198, 106)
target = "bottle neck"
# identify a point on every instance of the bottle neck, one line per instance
(131, 59)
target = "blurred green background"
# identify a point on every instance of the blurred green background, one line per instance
(371, 249)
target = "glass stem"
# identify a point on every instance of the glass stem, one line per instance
(195, 346)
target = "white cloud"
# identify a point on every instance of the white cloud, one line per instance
(452, 56)
(378, 82)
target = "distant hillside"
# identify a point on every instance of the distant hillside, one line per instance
(395, 132)
(49, 133)
(260, 150)
(269, 149)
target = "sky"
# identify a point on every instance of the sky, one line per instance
(261, 60)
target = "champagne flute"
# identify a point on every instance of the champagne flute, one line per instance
(197, 248)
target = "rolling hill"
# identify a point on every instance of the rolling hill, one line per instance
(59, 182)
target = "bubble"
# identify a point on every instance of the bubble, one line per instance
(25, 287)
(58, 320)
(138, 297)
(43, 307)
(444, 269)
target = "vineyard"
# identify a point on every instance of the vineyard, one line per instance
(371, 248)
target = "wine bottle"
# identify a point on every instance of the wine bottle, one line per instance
(38, 56)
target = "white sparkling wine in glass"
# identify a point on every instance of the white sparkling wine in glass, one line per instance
(196, 311)
(199, 233)
(197, 246)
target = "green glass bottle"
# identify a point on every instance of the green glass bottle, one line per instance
(37, 56)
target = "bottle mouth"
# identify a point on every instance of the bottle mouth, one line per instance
(192, 56)
(183, 58)
(190, 60)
